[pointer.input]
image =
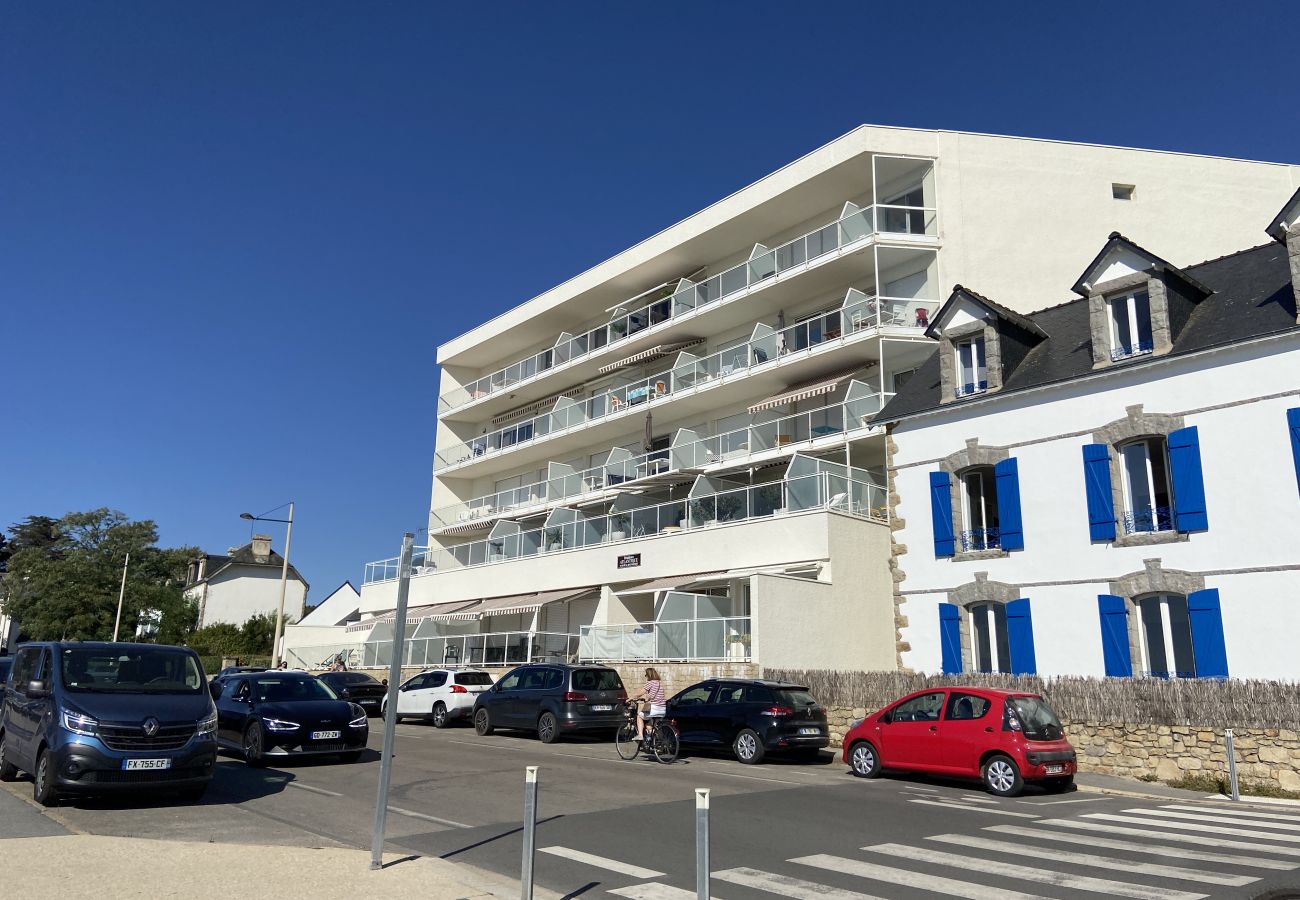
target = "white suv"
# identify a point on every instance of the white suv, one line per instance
(440, 695)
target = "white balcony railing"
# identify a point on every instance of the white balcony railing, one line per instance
(855, 226)
(506, 648)
(688, 640)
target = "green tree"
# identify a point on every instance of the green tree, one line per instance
(221, 639)
(258, 634)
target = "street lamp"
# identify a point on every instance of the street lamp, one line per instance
(284, 577)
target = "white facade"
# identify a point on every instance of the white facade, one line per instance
(244, 583)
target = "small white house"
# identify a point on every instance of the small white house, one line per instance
(246, 581)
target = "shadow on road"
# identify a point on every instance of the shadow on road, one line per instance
(496, 837)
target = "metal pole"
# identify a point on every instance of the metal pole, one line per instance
(390, 710)
(1232, 765)
(530, 833)
(284, 582)
(702, 843)
(120, 595)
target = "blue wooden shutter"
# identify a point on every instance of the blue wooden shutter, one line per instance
(1114, 635)
(950, 638)
(1101, 503)
(945, 543)
(1207, 634)
(1010, 530)
(1020, 638)
(1293, 425)
(1189, 485)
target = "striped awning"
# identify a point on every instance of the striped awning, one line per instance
(651, 353)
(415, 614)
(525, 603)
(823, 385)
(669, 583)
(469, 526)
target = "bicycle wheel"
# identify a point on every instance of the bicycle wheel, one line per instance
(625, 741)
(666, 746)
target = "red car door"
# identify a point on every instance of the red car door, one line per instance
(968, 726)
(910, 733)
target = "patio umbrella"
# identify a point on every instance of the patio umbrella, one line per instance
(780, 332)
(649, 438)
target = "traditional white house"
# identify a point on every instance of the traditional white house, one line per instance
(1108, 486)
(246, 581)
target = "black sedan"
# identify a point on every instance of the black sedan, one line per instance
(750, 716)
(358, 687)
(266, 716)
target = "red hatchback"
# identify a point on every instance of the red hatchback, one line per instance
(1004, 738)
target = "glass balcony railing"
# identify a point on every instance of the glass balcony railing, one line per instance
(504, 648)
(686, 640)
(854, 319)
(787, 433)
(853, 227)
(822, 490)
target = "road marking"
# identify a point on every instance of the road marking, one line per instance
(315, 790)
(982, 809)
(788, 886)
(970, 798)
(600, 862)
(1099, 862)
(935, 884)
(1028, 873)
(655, 890)
(1225, 819)
(419, 815)
(1168, 836)
(1238, 812)
(1093, 840)
(1059, 802)
(1195, 826)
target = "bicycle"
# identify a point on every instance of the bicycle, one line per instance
(663, 741)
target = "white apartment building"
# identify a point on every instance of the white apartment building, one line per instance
(671, 456)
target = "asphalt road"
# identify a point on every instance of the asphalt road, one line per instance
(791, 829)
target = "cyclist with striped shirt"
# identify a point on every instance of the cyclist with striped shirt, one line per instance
(653, 693)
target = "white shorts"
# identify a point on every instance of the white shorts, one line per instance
(657, 710)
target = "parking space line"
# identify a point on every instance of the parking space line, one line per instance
(428, 818)
(315, 790)
(979, 809)
(600, 862)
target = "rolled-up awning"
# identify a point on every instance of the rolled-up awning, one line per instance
(669, 583)
(816, 388)
(416, 613)
(650, 353)
(524, 603)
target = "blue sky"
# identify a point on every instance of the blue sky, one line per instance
(232, 235)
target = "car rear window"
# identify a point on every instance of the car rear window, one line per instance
(356, 678)
(596, 680)
(473, 678)
(796, 697)
(1037, 719)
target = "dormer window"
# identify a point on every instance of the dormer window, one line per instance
(1130, 325)
(972, 371)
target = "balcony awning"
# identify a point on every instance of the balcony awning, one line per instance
(671, 583)
(650, 353)
(816, 388)
(416, 613)
(469, 526)
(525, 603)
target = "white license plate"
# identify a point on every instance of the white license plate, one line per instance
(1055, 769)
(601, 707)
(810, 731)
(325, 735)
(132, 764)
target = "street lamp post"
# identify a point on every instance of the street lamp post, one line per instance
(284, 577)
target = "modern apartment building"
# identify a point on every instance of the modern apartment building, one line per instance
(672, 456)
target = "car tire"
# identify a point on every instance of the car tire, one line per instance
(1002, 776)
(548, 728)
(8, 771)
(252, 746)
(43, 791)
(1059, 785)
(483, 723)
(864, 760)
(439, 715)
(748, 747)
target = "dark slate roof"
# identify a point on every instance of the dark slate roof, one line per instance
(244, 557)
(1018, 319)
(1252, 297)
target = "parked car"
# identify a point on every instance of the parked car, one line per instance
(88, 717)
(358, 687)
(276, 715)
(6, 663)
(440, 695)
(1005, 738)
(238, 670)
(552, 699)
(750, 716)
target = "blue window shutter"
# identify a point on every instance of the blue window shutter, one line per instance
(1207, 634)
(1010, 530)
(950, 638)
(1114, 635)
(1189, 485)
(1020, 637)
(1293, 425)
(945, 543)
(1101, 503)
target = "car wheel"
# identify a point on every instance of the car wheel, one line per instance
(1002, 776)
(439, 715)
(8, 771)
(483, 723)
(747, 747)
(548, 730)
(1059, 785)
(43, 782)
(865, 760)
(253, 745)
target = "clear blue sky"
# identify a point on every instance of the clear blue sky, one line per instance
(233, 234)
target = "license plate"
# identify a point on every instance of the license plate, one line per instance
(1055, 769)
(810, 731)
(601, 707)
(133, 764)
(325, 735)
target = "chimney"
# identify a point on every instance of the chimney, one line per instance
(261, 546)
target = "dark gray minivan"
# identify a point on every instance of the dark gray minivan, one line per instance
(88, 717)
(553, 700)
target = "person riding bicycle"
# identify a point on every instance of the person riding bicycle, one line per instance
(653, 693)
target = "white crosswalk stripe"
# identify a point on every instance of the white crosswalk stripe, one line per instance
(1202, 840)
(1028, 873)
(788, 886)
(1240, 813)
(968, 808)
(1226, 818)
(655, 890)
(1095, 840)
(601, 862)
(1088, 859)
(935, 884)
(1195, 826)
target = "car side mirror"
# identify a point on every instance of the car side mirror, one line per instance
(38, 688)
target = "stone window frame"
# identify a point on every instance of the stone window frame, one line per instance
(956, 464)
(948, 374)
(1152, 579)
(1135, 425)
(975, 593)
(1099, 298)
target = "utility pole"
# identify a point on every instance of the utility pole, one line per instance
(390, 710)
(121, 594)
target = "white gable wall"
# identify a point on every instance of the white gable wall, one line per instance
(240, 593)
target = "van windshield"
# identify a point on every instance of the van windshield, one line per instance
(132, 670)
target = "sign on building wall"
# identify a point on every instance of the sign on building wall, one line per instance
(629, 560)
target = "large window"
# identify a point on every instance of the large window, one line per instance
(1167, 636)
(972, 374)
(1148, 497)
(1130, 325)
(990, 648)
(979, 500)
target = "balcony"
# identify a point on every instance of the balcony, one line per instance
(1141, 348)
(980, 539)
(688, 640)
(860, 317)
(854, 227)
(1149, 520)
(506, 648)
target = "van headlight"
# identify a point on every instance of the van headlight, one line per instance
(79, 724)
(280, 725)
(208, 723)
